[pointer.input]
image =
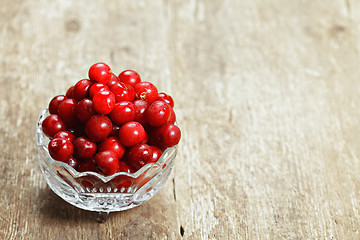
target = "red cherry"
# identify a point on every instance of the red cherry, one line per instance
(60, 149)
(70, 93)
(168, 135)
(78, 131)
(100, 72)
(97, 87)
(146, 138)
(124, 167)
(131, 92)
(84, 148)
(55, 102)
(81, 89)
(66, 135)
(129, 77)
(172, 117)
(108, 162)
(139, 155)
(123, 92)
(98, 128)
(113, 144)
(158, 113)
(84, 109)
(156, 154)
(130, 105)
(87, 166)
(53, 124)
(114, 79)
(140, 108)
(123, 112)
(115, 131)
(104, 102)
(72, 162)
(152, 135)
(166, 98)
(146, 91)
(131, 133)
(66, 112)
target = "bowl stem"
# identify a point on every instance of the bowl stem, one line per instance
(102, 217)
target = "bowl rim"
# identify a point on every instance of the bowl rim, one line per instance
(44, 150)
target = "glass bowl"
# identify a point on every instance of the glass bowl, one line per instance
(95, 192)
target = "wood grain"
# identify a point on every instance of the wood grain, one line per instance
(266, 94)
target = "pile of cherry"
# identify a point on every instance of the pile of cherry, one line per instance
(110, 123)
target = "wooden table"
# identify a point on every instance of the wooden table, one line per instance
(266, 94)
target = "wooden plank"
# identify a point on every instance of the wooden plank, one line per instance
(266, 94)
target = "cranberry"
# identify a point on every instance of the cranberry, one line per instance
(87, 166)
(168, 135)
(84, 109)
(158, 113)
(139, 155)
(70, 93)
(81, 89)
(104, 102)
(123, 112)
(113, 144)
(156, 154)
(100, 72)
(166, 98)
(146, 91)
(84, 148)
(123, 92)
(55, 102)
(66, 135)
(124, 167)
(131, 133)
(66, 112)
(108, 162)
(98, 128)
(114, 79)
(60, 149)
(52, 124)
(72, 162)
(97, 87)
(129, 77)
(140, 108)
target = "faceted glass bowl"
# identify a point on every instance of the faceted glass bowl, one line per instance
(95, 192)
